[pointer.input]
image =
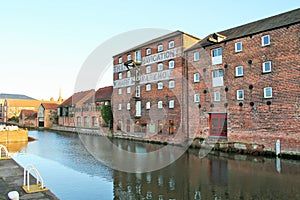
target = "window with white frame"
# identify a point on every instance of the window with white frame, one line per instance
(138, 56)
(128, 90)
(159, 104)
(120, 91)
(171, 64)
(160, 85)
(128, 106)
(120, 75)
(120, 106)
(171, 44)
(265, 40)
(148, 52)
(196, 77)
(160, 47)
(128, 57)
(238, 46)
(138, 73)
(138, 108)
(216, 56)
(267, 67)
(171, 104)
(137, 91)
(148, 105)
(120, 60)
(239, 71)
(171, 84)
(128, 74)
(148, 87)
(217, 96)
(218, 78)
(196, 56)
(240, 94)
(160, 67)
(268, 92)
(196, 97)
(148, 69)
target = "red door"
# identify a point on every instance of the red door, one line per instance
(218, 124)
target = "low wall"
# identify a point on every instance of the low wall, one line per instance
(14, 136)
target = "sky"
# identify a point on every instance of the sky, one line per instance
(44, 43)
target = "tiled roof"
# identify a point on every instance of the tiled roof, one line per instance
(158, 39)
(78, 98)
(270, 23)
(50, 106)
(102, 94)
(23, 103)
(15, 96)
(29, 114)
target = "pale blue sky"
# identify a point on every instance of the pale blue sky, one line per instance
(43, 43)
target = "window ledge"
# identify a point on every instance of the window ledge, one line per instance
(267, 45)
(239, 76)
(266, 72)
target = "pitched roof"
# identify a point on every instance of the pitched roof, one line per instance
(158, 39)
(270, 23)
(77, 98)
(102, 94)
(15, 96)
(29, 114)
(23, 103)
(50, 106)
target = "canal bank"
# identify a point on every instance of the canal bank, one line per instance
(11, 179)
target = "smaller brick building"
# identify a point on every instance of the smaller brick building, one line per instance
(47, 114)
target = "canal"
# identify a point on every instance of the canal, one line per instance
(71, 172)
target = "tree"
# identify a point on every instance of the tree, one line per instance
(106, 113)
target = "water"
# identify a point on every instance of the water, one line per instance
(72, 173)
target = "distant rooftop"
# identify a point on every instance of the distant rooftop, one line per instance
(15, 96)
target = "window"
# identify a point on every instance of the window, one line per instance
(120, 76)
(120, 106)
(265, 40)
(148, 69)
(171, 104)
(128, 106)
(217, 96)
(268, 92)
(196, 97)
(267, 66)
(171, 44)
(239, 71)
(216, 56)
(240, 94)
(196, 56)
(160, 86)
(159, 104)
(196, 78)
(128, 90)
(160, 67)
(148, 87)
(148, 105)
(138, 56)
(138, 111)
(120, 91)
(148, 52)
(217, 78)
(171, 64)
(128, 57)
(128, 74)
(171, 84)
(160, 47)
(137, 91)
(238, 47)
(137, 74)
(120, 60)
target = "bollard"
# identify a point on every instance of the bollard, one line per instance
(277, 147)
(13, 195)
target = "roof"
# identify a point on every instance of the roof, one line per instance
(15, 96)
(278, 21)
(102, 94)
(158, 39)
(50, 106)
(29, 114)
(78, 97)
(22, 103)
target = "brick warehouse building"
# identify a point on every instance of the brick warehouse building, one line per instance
(247, 87)
(147, 100)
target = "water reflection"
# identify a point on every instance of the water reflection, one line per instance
(217, 176)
